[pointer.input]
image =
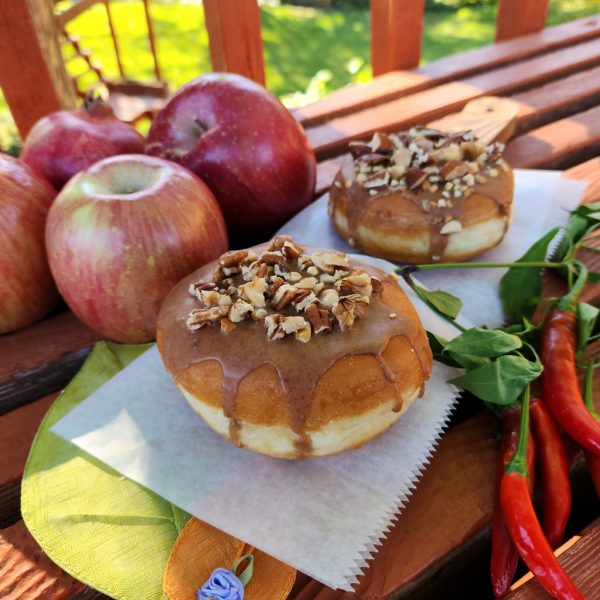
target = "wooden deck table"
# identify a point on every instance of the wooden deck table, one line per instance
(439, 546)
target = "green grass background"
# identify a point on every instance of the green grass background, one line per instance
(308, 52)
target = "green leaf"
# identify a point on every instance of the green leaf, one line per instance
(110, 532)
(443, 302)
(520, 288)
(501, 381)
(586, 319)
(437, 345)
(487, 343)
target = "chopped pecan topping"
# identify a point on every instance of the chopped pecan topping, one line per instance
(202, 316)
(422, 158)
(318, 318)
(358, 282)
(272, 258)
(233, 258)
(293, 293)
(415, 177)
(376, 285)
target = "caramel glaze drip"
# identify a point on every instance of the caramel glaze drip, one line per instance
(299, 365)
(358, 200)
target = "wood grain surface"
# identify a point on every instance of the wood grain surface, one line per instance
(520, 17)
(579, 559)
(234, 37)
(402, 83)
(17, 429)
(396, 32)
(26, 573)
(332, 137)
(32, 73)
(559, 144)
(42, 358)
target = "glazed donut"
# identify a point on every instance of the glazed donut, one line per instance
(423, 196)
(293, 352)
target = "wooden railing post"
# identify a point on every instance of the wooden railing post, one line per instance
(519, 17)
(396, 32)
(234, 35)
(32, 73)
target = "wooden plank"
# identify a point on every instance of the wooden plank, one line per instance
(557, 145)
(579, 557)
(519, 17)
(396, 33)
(32, 73)
(549, 102)
(17, 430)
(26, 573)
(331, 138)
(41, 359)
(234, 36)
(402, 83)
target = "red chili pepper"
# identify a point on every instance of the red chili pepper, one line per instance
(523, 525)
(559, 380)
(593, 460)
(554, 473)
(505, 557)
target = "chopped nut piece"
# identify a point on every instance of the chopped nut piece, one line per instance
(308, 283)
(272, 258)
(344, 312)
(274, 325)
(263, 270)
(196, 288)
(453, 169)
(318, 318)
(202, 316)
(254, 292)
(329, 298)
(392, 315)
(328, 261)
(377, 285)
(303, 301)
(291, 250)
(218, 274)
(275, 285)
(239, 310)
(209, 297)
(358, 282)
(357, 149)
(360, 304)
(415, 177)
(293, 277)
(278, 242)
(451, 227)
(284, 295)
(233, 258)
(381, 142)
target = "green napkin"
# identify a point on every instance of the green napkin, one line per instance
(103, 529)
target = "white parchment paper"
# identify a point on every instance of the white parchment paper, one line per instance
(322, 516)
(542, 201)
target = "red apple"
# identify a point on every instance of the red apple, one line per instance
(27, 292)
(122, 233)
(66, 142)
(245, 145)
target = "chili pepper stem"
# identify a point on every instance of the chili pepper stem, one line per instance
(588, 396)
(518, 463)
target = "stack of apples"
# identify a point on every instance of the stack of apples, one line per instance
(224, 160)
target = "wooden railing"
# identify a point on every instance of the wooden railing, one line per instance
(34, 80)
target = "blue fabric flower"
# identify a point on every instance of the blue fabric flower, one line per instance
(222, 585)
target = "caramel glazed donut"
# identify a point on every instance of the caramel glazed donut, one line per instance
(423, 196)
(291, 354)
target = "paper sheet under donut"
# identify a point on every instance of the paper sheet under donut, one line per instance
(323, 516)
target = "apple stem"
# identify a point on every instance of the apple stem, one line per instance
(202, 126)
